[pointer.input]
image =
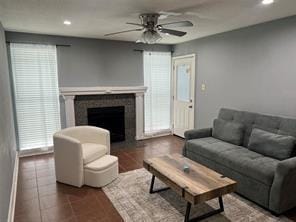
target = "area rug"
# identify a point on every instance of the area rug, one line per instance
(130, 196)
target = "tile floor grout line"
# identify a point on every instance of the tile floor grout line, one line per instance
(73, 213)
(39, 203)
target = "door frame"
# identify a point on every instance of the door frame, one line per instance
(173, 87)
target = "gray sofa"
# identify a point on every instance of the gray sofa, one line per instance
(268, 181)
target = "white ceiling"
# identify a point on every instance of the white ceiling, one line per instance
(94, 18)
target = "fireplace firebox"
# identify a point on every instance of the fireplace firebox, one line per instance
(110, 118)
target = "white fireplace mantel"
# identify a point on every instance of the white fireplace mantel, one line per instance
(69, 93)
(73, 91)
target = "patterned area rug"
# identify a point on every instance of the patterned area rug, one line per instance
(130, 196)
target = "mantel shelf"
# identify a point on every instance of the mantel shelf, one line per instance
(73, 91)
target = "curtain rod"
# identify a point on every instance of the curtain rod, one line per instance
(40, 43)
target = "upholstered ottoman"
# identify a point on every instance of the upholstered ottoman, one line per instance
(101, 171)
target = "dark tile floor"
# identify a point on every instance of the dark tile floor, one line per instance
(40, 198)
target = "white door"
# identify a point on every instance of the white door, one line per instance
(183, 93)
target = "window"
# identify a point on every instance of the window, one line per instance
(35, 80)
(157, 77)
(183, 81)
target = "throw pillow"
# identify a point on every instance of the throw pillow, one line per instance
(270, 144)
(227, 131)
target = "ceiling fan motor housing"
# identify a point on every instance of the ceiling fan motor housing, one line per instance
(149, 21)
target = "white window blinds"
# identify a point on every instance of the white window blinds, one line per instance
(157, 77)
(34, 70)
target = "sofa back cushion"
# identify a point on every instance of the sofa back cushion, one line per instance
(228, 131)
(270, 144)
(280, 125)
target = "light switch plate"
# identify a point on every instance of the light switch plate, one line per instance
(203, 87)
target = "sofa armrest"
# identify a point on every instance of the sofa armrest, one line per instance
(198, 133)
(283, 190)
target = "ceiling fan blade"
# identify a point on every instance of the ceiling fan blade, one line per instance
(176, 24)
(173, 32)
(131, 23)
(115, 33)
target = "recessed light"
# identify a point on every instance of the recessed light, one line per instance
(67, 22)
(267, 2)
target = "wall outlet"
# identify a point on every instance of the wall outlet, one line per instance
(203, 87)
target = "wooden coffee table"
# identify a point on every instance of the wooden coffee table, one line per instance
(198, 185)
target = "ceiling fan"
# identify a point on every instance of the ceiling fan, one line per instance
(151, 29)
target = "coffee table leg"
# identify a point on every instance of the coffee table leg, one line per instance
(221, 204)
(187, 215)
(158, 190)
(188, 208)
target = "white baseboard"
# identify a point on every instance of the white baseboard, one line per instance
(35, 152)
(10, 217)
(156, 134)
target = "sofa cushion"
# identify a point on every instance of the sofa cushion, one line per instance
(271, 144)
(92, 151)
(237, 158)
(227, 131)
(246, 186)
(209, 147)
(251, 164)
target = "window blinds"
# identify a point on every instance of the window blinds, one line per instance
(35, 80)
(157, 77)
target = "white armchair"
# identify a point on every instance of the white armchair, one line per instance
(81, 153)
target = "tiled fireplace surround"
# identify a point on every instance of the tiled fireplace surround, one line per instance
(83, 102)
(79, 99)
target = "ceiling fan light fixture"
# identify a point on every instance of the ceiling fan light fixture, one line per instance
(150, 37)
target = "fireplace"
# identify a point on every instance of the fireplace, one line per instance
(77, 101)
(110, 118)
(115, 112)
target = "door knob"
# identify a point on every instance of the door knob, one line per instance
(190, 107)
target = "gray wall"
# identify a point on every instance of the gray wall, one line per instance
(94, 62)
(7, 135)
(250, 69)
